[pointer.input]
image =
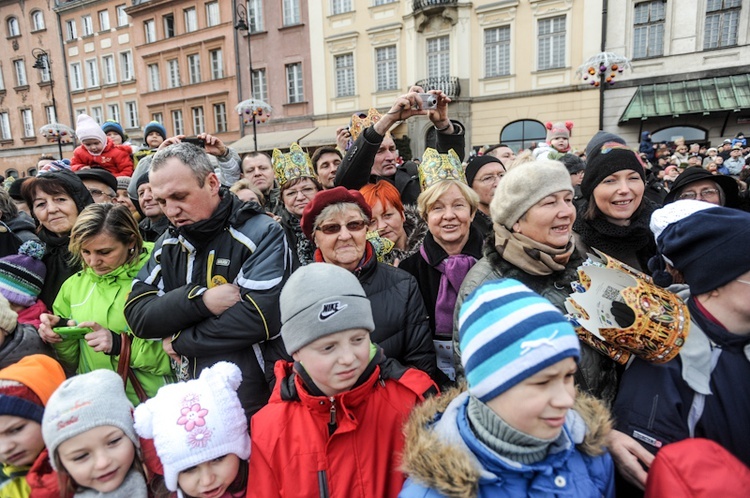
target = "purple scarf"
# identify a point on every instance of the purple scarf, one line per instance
(453, 270)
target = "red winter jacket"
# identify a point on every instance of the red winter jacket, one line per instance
(42, 478)
(114, 158)
(294, 456)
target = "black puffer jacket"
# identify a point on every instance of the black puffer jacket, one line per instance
(23, 341)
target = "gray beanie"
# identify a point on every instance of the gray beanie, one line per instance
(85, 402)
(321, 299)
(525, 185)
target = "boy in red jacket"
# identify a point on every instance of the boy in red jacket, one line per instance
(98, 150)
(333, 425)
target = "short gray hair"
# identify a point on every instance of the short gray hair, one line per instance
(191, 156)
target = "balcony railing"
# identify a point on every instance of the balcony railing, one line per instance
(448, 84)
(418, 5)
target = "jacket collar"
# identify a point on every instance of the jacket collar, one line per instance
(436, 254)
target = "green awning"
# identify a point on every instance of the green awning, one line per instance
(704, 96)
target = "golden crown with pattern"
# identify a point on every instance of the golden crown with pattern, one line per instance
(436, 167)
(295, 164)
(360, 123)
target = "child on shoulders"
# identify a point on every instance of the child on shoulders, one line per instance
(97, 149)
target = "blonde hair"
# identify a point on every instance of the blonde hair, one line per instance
(244, 184)
(114, 219)
(429, 197)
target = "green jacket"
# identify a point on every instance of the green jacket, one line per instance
(87, 296)
(13, 482)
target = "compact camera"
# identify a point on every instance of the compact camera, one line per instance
(429, 101)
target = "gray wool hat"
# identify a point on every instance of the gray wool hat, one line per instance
(321, 299)
(85, 402)
(525, 185)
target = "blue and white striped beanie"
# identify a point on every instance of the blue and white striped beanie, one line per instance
(507, 334)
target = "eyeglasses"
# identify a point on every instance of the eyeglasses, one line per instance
(95, 192)
(307, 192)
(706, 193)
(352, 226)
(489, 179)
(742, 281)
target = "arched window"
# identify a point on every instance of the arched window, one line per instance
(31, 172)
(37, 20)
(13, 28)
(11, 172)
(520, 134)
(689, 133)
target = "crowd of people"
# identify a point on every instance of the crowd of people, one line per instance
(177, 320)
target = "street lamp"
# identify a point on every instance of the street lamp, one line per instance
(243, 24)
(43, 62)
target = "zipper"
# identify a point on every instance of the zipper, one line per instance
(332, 420)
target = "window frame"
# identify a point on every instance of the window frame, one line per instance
(220, 117)
(550, 40)
(6, 132)
(498, 51)
(49, 113)
(213, 19)
(13, 27)
(27, 121)
(198, 116)
(127, 70)
(734, 12)
(149, 30)
(651, 27)
(386, 69)
(194, 68)
(295, 92)
(108, 65)
(71, 31)
(438, 57)
(104, 19)
(92, 73)
(87, 26)
(178, 122)
(76, 72)
(290, 13)
(259, 84)
(153, 70)
(255, 15)
(169, 26)
(97, 113)
(35, 26)
(121, 15)
(344, 77)
(131, 113)
(340, 7)
(19, 67)
(190, 17)
(216, 59)
(114, 116)
(173, 73)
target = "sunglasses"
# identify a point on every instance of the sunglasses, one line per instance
(352, 226)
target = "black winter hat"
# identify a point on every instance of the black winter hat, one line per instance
(475, 164)
(607, 159)
(695, 174)
(99, 174)
(68, 180)
(573, 163)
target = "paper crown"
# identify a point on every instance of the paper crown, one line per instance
(296, 164)
(359, 123)
(436, 167)
(661, 319)
(380, 245)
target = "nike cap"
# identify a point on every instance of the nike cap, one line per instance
(321, 299)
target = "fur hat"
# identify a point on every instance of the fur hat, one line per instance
(476, 163)
(157, 127)
(607, 160)
(196, 421)
(557, 130)
(509, 333)
(87, 128)
(22, 275)
(26, 386)
(325, 198)
(525, 185)
(84, 402)
(110, 125)
(321, 299)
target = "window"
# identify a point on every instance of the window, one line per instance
(689, 133)
(340, 6)
(44, 74)
(70, 30)
(80, 111)
(519, 134)
(37, 20)
(157, 116)
(49, 111)
(126, 66)
(168, 26)
(722, 18)
(220, 117)
(199, 120)
(108, 64)
(177, 124)
(173, 72)
(104, 20)
(438, 57)
(382, 2)
(20, 68)
(150, 30)
(2, 79)
(92, 73)
(255, 15)
(194, 68)
(497, 51)
(5, 126)
(96, 113)
(344, 75)
(648, 29)
(87, 26)
(191, 20)
(76, 76)
(131, 115)
(28, 123)
(217, 64)
(212, 14)
(260, 85)
(13, 27)
(154, 81)
(551, 52)
(386, 64)
(290, 12)
(122, 16)
(113, 112)
(294, 83)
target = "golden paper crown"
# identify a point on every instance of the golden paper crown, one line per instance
(436, 167)
(359, 124)
(662, 319)
(296, 164)
(380, 245)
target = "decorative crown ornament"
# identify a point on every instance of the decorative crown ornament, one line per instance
(296, 164)
(359, 123)
(660, 319)
(436, 167)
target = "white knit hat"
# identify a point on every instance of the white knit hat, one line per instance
(87, 128)
(196, 421)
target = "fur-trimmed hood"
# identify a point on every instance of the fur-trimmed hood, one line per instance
(436, 456)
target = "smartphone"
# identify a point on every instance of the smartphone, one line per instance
(429, 101)
(198, 142)
(72, 332)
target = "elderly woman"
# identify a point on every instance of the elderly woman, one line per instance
(106, 241)
(55, 200)
(248, 192)
(614, 216)
(336, 222)
(400, 224)
(533, 216)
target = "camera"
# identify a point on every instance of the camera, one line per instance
(198, 142)
(429, 101)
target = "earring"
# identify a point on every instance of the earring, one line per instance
(132, 250)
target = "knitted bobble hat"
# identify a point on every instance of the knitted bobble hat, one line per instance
(85, 402)
(607, 160)
(196, 421)
(157, 127)
(22, 275)
(558, 130)
(26, 386)
(86, 128)
(509, 333)
(110, 125)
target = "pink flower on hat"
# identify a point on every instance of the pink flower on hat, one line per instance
(199, 438)
(192, 416)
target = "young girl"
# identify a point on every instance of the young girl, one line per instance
(88, 430)
(557, 143)
(200, 434)
(98, 150)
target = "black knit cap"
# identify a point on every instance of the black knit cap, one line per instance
(696, 174)
(608, 159)
(15, 188)
(69, 182)
(99, 174)
(475, 164)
